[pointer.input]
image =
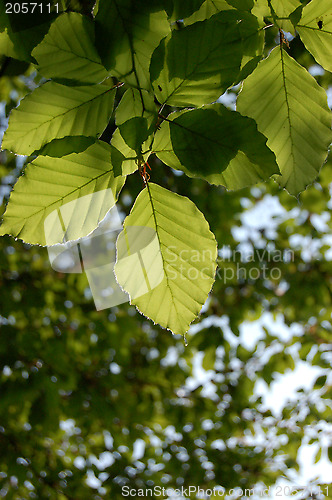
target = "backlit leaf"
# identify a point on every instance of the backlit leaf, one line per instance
(315, 29)
(135, 102)
(291, 111)
(208, 9)
(66, 146)
(282, 10)
(135, 132)
(241, 4)
(78, 190)
(67, 53)
(54, 111)
(186, 249)
(185, 8)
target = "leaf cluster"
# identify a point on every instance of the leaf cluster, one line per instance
(154, 71)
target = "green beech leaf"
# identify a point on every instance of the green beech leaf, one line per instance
(213, 50)
(12, 67)
(315, 29)
(295, 16)
(252, 162)
(54, 111)
(318, 455)
(261, 9)
(203, 142)
(291, 110)
(67, 53)
(207, 140)
(186, 249)
(251, 32)
(124, 159)
(283, 8)
(329, 454)
(320, 382)
(127, 32)
(78, 189)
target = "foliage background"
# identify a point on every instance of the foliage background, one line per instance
(81, 391)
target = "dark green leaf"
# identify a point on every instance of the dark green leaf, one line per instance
(217, 145)
(241, 4)
(213, 50)
(179, 262)
(320, 382)
(82, 186)
(62, 147)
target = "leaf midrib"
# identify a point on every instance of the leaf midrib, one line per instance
(160, 244)
(313, 28)
(293, 171)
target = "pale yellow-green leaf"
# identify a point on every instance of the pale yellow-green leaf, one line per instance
(62, 199)
(53, 111)
(283, 9)
(186, 249)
